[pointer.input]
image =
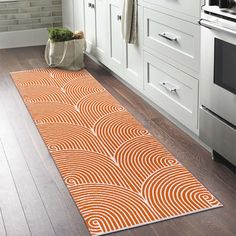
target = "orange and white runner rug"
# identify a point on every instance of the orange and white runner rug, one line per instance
(118, 174)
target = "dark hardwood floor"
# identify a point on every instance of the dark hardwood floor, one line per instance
(34, 199)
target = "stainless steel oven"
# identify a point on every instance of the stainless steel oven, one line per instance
(218, 78)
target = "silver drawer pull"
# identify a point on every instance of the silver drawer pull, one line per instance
(170, 87)
(169, 36)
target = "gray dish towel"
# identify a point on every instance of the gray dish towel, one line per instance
(129, 21)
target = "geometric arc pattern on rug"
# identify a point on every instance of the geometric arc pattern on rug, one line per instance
(118, 174)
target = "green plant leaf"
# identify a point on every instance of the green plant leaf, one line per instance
(60, 34)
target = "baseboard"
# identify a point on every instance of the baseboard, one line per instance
(23, 38)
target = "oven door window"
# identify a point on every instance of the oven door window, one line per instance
(225, 65)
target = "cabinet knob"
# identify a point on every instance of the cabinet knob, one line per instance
(91, 5)
(119, 17)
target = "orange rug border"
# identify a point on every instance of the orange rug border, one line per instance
(125, 228)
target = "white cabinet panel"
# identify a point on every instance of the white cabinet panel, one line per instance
(116, 43)
(172, 90)
(79, 15)
(73, 14)
(90, 25)
(68, 14)
(133, 57)
(101, 30)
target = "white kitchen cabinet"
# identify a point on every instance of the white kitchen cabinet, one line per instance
(95, 28)
(89, 25)
(101, 22)
(124, 59)
(163, 64)
(116, 43)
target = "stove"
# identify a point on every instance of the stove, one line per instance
(218, 78)
(225, 9)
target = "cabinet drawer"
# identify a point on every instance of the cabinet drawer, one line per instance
(174, 38)
(172, 90)
(187, 7)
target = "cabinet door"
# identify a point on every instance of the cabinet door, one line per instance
(133, 57)
(78, 15)
(68, 14)
(116, 44)
(89, 25)
(101, 31)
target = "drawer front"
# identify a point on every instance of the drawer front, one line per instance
(172, 90)
(218, 135)
(188, 7)
(174, 38)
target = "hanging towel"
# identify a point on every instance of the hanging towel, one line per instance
(129, 21)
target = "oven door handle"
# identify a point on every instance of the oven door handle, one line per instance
(214, 26)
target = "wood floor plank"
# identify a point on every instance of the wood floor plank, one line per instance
(34, 209)
(2, 225)
(10, 204)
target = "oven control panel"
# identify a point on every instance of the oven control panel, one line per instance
(227, 4)
(221, 8)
